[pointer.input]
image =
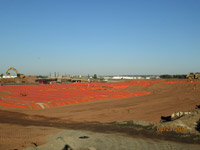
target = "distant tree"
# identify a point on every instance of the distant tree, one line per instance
(166, 76)
(183, 76)
(95, 76)
(88, 76)
(1, 75)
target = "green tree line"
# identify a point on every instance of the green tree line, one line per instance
(167, 76)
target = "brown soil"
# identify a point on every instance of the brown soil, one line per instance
(27, 79)
(17, 137)
(164, 100)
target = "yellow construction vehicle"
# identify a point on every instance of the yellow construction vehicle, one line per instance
(18, 74)
(193, 76)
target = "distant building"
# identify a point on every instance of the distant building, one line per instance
(107, 78)
(9, 76)
(123, 77)
(158, 77)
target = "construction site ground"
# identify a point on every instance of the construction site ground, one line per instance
(133, 116)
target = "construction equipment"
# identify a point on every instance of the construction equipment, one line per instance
(193, 76)
(18, 74)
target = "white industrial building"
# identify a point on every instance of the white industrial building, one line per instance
(9, 76)
(123, 77)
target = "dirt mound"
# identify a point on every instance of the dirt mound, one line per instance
(161, 87)
(27, 79)
(30, 79)
(156, 87)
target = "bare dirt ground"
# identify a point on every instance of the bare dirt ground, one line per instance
(85, 140)
(22, 128)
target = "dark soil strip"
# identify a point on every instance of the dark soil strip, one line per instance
(129, 130)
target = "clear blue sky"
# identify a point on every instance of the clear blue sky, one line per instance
(106, 37)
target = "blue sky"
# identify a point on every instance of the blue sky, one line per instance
(106, 37)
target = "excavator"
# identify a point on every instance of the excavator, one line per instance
(18, 74)
(193, 76)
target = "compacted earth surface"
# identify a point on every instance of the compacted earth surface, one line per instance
(112, 123)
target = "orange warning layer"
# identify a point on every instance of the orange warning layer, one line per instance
(46, 96)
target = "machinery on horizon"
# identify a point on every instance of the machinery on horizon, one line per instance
(18, 74)
(193, 76)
